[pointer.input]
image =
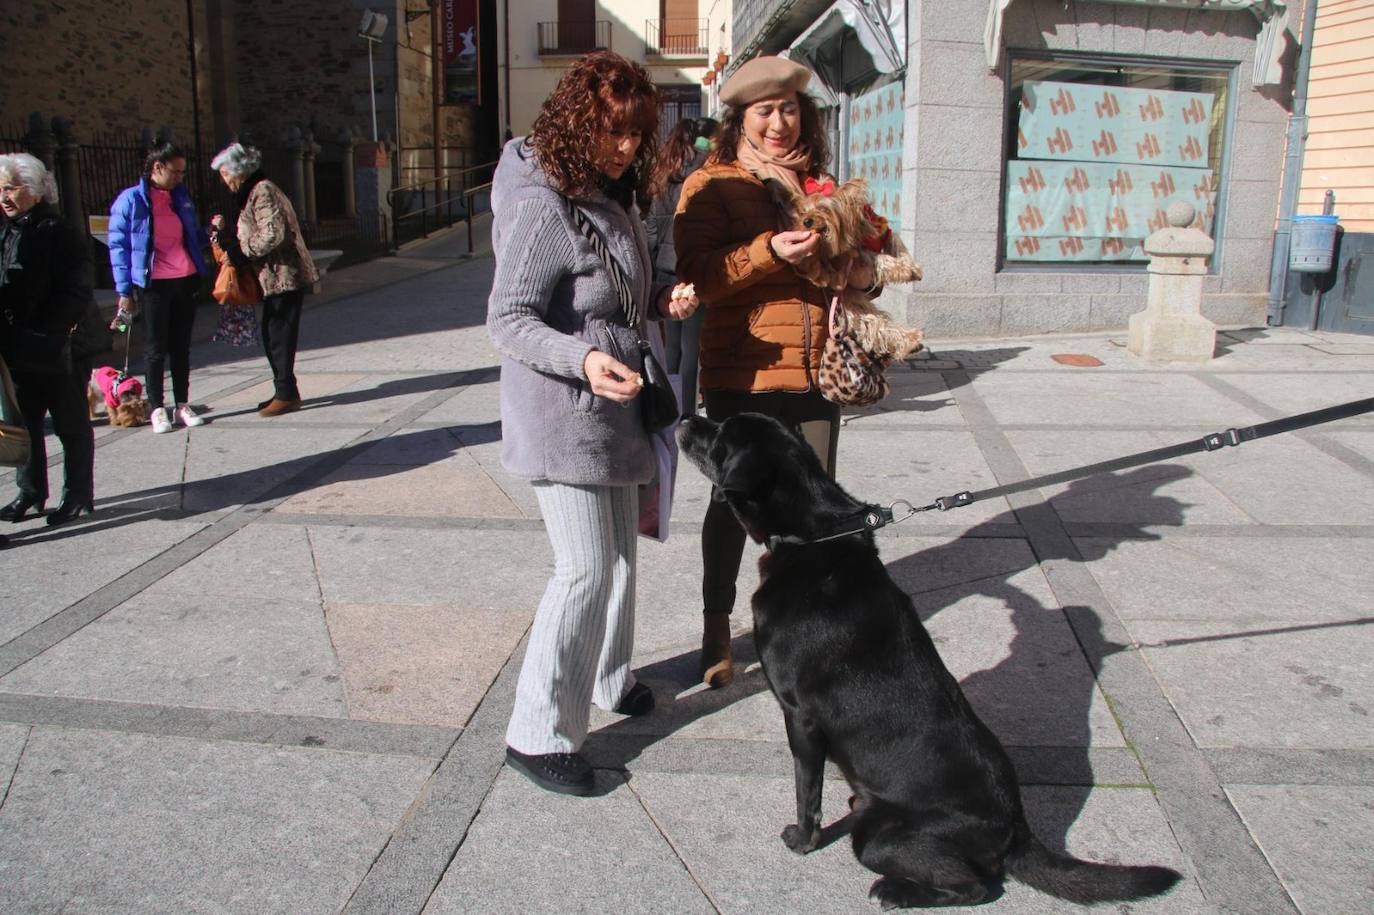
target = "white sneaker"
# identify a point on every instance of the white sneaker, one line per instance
(186, 416)
(160, 421)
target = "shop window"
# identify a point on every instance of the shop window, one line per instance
(876, 127)
(1098, 149)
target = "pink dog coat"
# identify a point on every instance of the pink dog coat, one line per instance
(114, 384)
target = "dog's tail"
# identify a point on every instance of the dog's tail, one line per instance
(1084, 882)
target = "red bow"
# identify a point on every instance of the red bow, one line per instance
(824, 188)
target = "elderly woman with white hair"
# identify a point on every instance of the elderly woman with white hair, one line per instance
(45, 286)
(262, 233)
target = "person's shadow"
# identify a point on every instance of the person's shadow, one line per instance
(268, 483)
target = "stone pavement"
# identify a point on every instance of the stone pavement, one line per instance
(272, 672)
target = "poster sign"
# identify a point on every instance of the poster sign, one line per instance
(459, 44)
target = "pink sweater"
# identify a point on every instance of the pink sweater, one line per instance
(171, 260)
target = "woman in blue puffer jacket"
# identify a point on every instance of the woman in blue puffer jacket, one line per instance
(156, 252)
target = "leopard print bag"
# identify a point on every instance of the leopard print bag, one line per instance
(848, 374)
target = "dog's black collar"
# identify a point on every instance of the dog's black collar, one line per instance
(870, 519)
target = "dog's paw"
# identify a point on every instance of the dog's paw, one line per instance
(799, 841)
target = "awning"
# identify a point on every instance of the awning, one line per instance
(854, 44)
(1269, 44)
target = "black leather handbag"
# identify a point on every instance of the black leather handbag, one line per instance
(658, 403)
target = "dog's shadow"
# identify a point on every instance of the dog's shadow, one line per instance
(1040, 697)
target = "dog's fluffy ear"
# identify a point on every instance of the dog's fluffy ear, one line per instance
(853, 192)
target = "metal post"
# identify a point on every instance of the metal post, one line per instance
(1292, 170)
(372, 89)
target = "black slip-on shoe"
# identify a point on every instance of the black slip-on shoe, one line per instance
(565, 773)
(638, 701)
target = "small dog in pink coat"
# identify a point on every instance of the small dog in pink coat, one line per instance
(122, 395)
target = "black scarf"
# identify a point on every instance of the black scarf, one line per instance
(228, 237)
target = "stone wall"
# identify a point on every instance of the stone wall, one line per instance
(952, 175)
(108, 73)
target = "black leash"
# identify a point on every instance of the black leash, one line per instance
(873, 518)
(1213, 442)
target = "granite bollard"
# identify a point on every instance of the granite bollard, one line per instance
(1172, 328)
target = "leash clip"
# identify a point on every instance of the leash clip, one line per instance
(958, 500)
(1219, 440)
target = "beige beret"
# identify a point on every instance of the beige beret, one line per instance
(764, 77)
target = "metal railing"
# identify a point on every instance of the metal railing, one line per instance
(683, 37)
(470, 203)
(435, 203)
(574, 36)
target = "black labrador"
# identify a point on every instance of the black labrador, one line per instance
(936, 808)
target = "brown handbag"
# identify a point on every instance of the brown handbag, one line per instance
(234, 285)
(14, 436)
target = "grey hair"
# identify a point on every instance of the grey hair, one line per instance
(240, 160)
(31, 173)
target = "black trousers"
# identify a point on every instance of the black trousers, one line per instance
(169, 314)
(281, 329)
(722, 538)
(64, 396)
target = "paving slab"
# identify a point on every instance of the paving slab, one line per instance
(98, 821)
(1082, 401)
(532, 851)
(421, 665)
(433, 567)
(208, 651)
(255, 563)
(456, 487)
(1317, 839)
(231, 466)
(12, 740)
(1289, 684)
(1248, 583)
(726, 831)
(45, 571)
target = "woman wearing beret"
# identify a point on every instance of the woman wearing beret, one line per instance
(765, 326)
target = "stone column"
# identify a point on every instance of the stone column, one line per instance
(69, 173)
(348, 139)
(310, 151)
(1172, 326)
(372, 179)
(294, 143)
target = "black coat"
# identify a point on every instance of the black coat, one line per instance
(47, 285)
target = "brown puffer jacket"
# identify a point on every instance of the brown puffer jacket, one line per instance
(764, 326)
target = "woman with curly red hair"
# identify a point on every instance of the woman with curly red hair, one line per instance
(569, 242)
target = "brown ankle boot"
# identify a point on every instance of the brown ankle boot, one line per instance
(717, 669)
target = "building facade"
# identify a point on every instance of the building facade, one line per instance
(1027, 147)
(671, 38)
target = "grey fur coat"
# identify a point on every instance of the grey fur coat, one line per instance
(551, 304)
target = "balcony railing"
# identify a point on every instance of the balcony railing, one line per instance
(576, 36)
(678, 37)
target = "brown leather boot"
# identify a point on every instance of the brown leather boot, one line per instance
(717, 668)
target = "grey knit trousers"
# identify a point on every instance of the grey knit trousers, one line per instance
(583, 633)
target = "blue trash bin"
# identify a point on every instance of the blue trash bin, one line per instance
(1313, 243)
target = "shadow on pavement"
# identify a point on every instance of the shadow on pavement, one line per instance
(247, 488)
(1015, 688)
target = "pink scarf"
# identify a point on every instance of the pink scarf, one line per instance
(787, 169)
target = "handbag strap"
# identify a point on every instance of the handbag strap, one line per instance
(618, 278)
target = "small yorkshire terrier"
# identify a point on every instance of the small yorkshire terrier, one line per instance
(122, 395)
(849, 228)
